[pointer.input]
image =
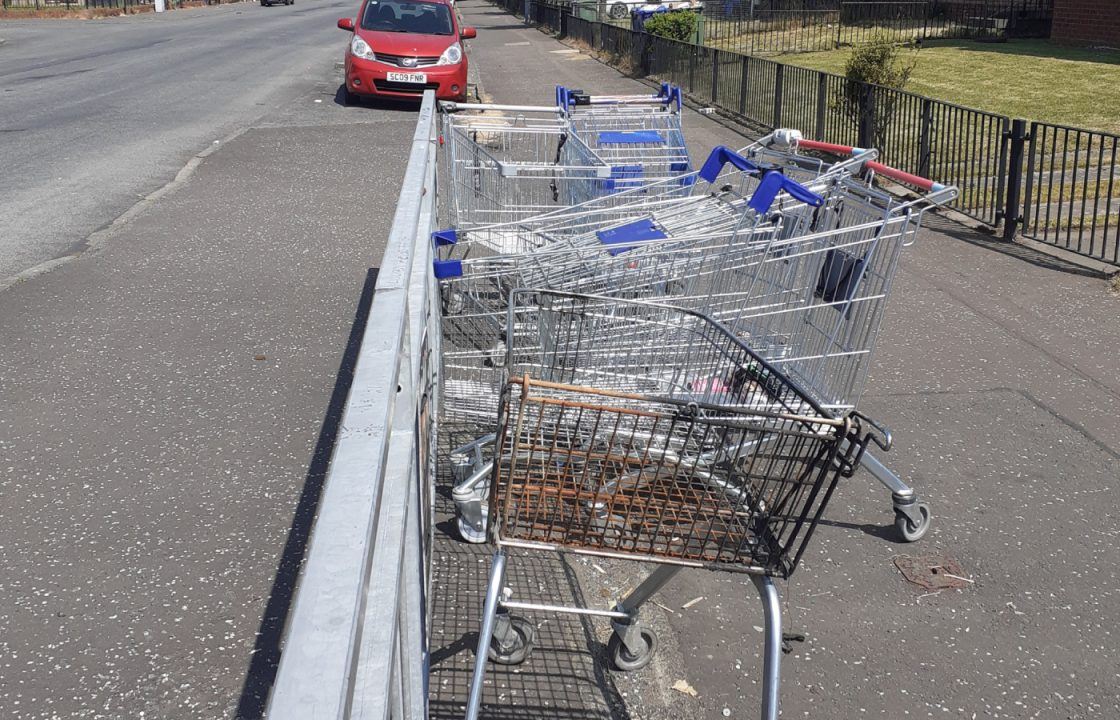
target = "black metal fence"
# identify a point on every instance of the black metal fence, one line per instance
(773, 27)
(1050, 183)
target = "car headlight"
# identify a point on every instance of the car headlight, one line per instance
(360, 48)
(453, 55)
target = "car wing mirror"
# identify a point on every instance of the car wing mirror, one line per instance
(346, 24)
(468, 33)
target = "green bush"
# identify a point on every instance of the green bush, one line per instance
(878, 62)
(676, 25)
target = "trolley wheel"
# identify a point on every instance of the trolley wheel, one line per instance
(469, 533)
(906, 527)
(519, 649)
(623, 659)
(618, 11)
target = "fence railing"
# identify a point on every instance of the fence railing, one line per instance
(357, 641)
(1054, 184)
(774, 27)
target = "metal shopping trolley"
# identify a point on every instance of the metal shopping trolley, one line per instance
(698, 255)
(503, 163)
(686, 450)
(810, 300)
(639, 136)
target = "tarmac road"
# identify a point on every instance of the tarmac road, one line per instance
(169, 396)
(96, 114)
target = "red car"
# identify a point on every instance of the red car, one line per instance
(401, 48)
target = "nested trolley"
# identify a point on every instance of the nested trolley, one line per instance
(689, 450)
(810, 301)
(639, 136)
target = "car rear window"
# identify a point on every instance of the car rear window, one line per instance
(424, 18)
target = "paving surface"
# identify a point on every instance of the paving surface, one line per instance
(169, 397)
(167, 405)
(997, 369)
(95, 114)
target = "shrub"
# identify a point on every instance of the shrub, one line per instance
(675, 25)
(877, 62)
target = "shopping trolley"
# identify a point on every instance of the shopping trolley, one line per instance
(673, 250)
(503, 163)
(639, 136)
(810, 301)
(699, 255)
(686, 450)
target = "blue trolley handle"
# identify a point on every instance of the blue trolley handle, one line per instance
(444, 269)
(775, 182)
(722, 155)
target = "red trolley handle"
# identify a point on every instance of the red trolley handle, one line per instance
(879, 168)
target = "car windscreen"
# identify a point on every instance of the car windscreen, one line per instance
(424, 18)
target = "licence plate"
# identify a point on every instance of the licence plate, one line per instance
(419, 78)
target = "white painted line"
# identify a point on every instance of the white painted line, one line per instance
(565, 51)
(518, 43)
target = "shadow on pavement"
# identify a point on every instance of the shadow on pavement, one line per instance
(375, 103)
(266, 652)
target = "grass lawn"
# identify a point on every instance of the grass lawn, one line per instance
(1032, 79)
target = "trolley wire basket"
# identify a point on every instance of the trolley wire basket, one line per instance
(690, 451)
(639, 136)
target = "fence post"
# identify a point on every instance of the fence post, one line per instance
(925, 142)
(822, 105)
(692, 49)
(778, 96)
(715, 76)
(866, 129)
(744, 74)
(1011, 215)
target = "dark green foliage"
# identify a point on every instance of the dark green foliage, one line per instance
(676, 25)
(878, 62)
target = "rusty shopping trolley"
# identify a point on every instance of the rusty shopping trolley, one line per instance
(688, 450)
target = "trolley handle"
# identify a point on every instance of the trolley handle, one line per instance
(858, 440)
(775, 182)
(879, 168)
(720, 156)
(444, 269)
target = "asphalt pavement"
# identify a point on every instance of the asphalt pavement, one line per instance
(998, 372)
(96, 114)
(168, 398)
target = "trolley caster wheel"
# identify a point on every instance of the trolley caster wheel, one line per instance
(906, 527)
(626, 661)
(470, 533)
(517, 647)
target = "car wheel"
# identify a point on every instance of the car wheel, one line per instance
(618, 11)
(265, 4)
(348, 97)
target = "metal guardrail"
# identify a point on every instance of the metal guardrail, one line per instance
(356, 644)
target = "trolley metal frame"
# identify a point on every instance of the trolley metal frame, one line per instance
(693, 452)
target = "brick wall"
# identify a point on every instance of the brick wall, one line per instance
(1087, 22)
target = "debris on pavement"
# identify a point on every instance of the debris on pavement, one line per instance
(683, 686)
(932, 572)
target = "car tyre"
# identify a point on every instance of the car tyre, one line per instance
(618, 11)
(265, 4)
(348, 97)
